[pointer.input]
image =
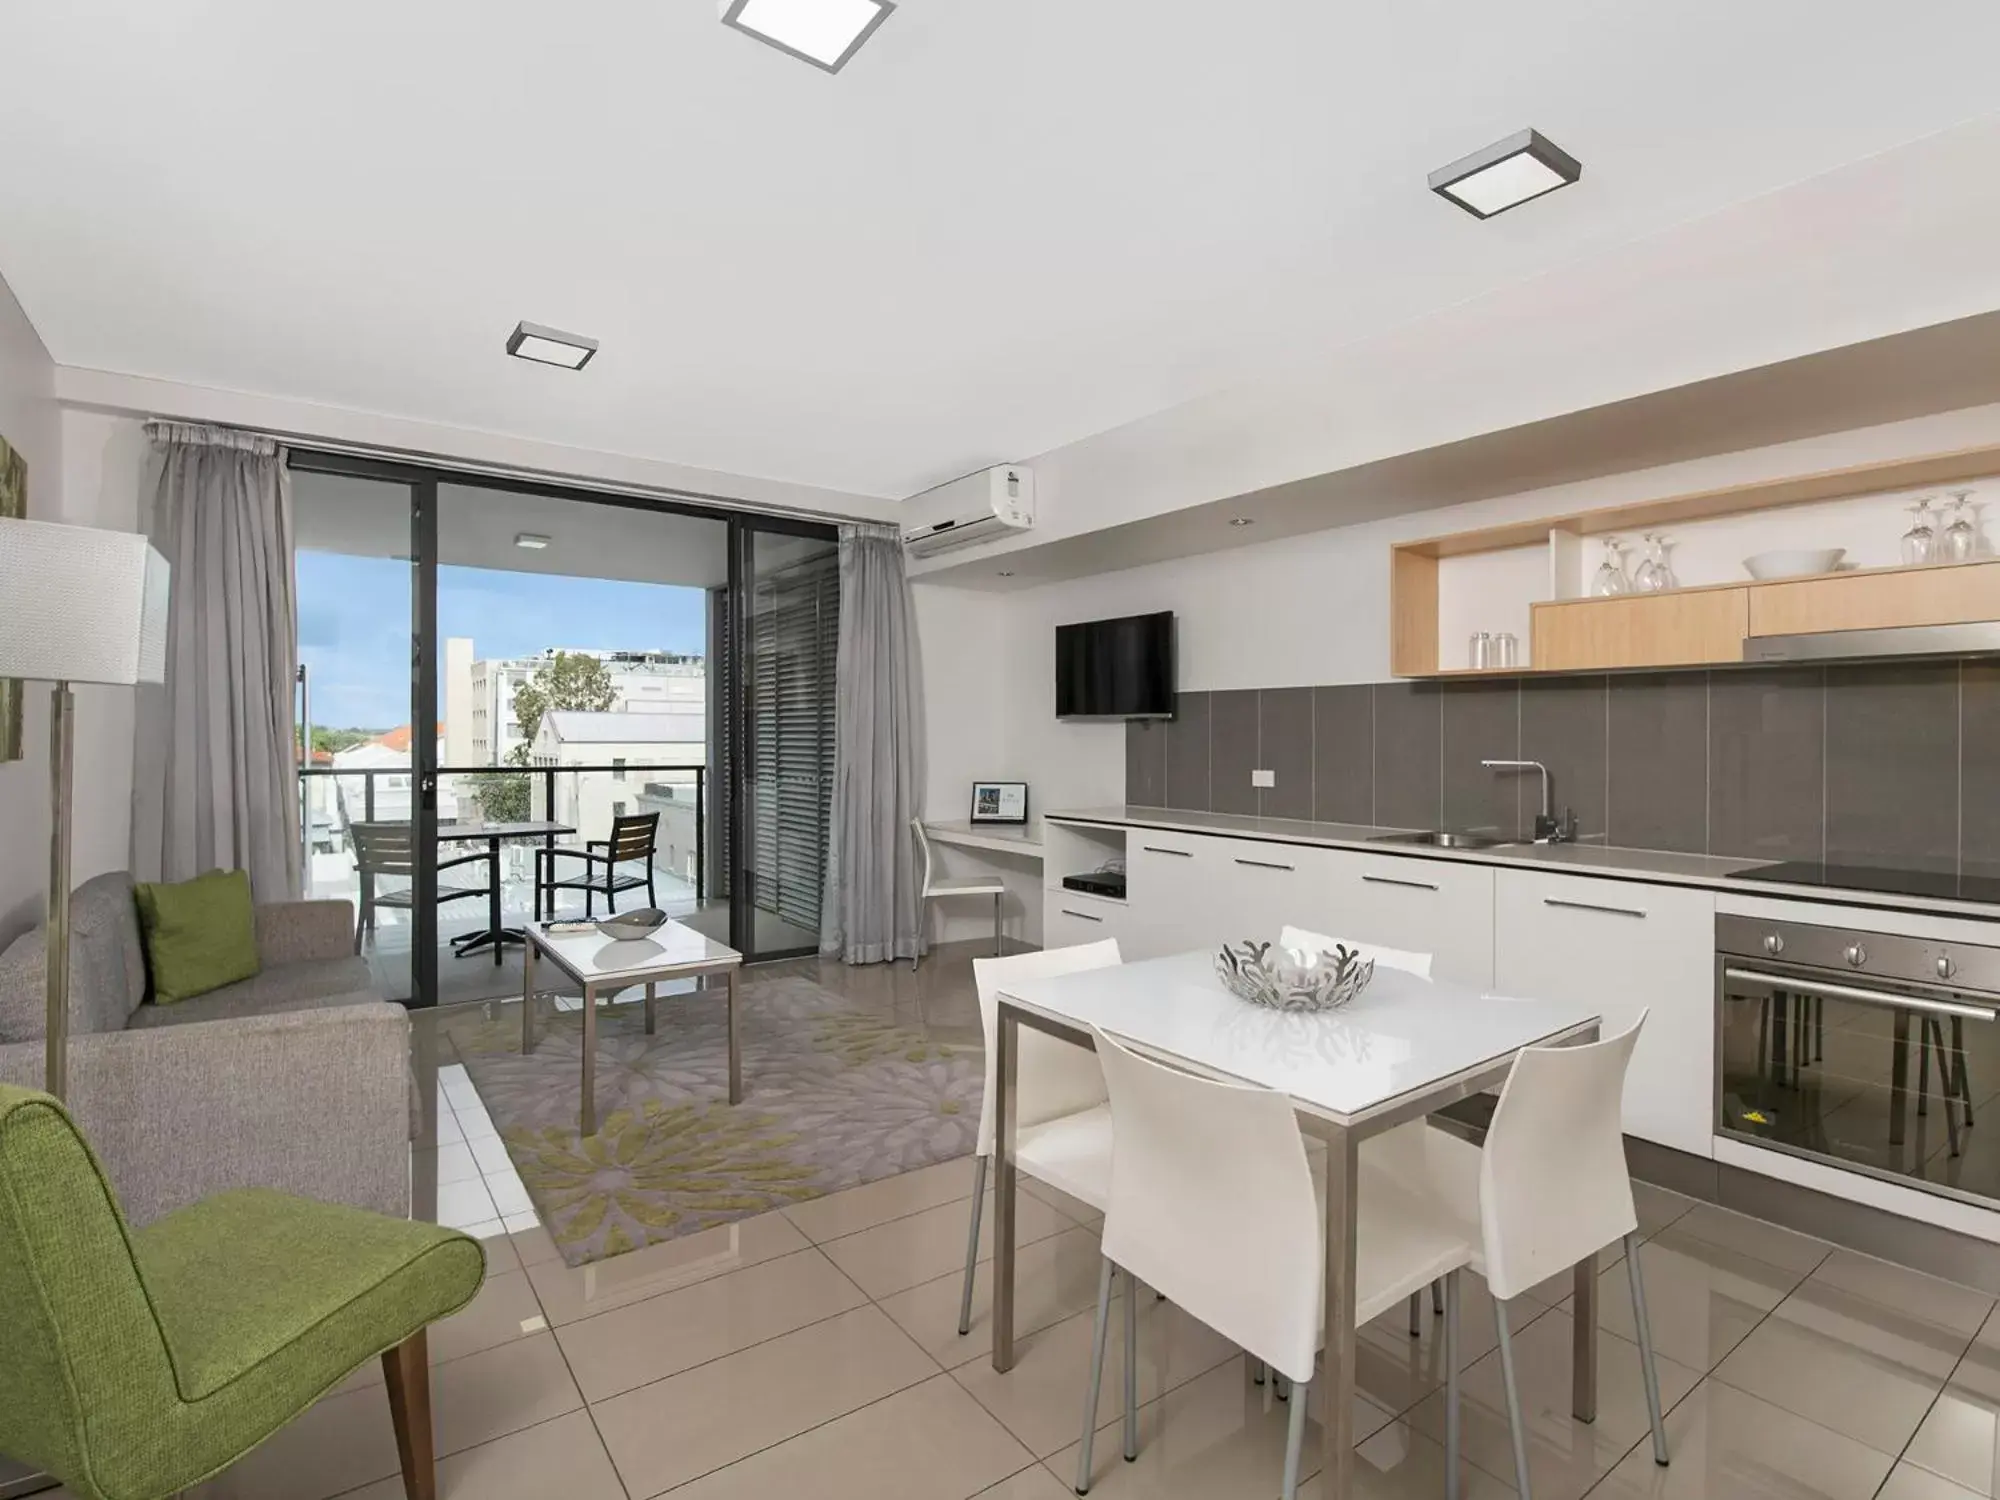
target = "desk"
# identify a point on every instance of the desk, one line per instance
(994, 838)
(1403, 1049)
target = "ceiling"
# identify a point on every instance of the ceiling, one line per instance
(1003, 228)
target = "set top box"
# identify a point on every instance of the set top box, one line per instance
(1098, 883)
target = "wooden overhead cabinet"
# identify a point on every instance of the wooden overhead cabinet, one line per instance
(1689, 627)
(1948, 595)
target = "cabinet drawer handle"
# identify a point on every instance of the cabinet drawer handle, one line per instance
(1415, 885)
(1156, 849)
(1263, 864)
(1083, 916)
(1609, 911)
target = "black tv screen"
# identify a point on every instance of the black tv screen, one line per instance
(1116, 669)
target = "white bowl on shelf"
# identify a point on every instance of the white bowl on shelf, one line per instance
(1795, 563)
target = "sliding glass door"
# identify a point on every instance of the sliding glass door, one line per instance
(498, 671)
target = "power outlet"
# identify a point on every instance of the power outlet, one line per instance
(1264, 778)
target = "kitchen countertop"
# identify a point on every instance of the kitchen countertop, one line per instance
(1658, 866)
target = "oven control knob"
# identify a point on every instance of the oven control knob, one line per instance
(1856, 955)
(1945, 967)
(1774, 945)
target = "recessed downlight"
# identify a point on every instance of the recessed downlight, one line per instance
(1242, 520)
(1006, 572)
(825, 33)
(550, 346)
(1506, 174)
(529, 541)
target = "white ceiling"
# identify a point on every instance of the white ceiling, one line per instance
(1003, 228)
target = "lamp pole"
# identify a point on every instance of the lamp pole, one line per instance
(62, 742)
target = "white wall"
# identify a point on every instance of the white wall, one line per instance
(29, 422)
(1300, 611)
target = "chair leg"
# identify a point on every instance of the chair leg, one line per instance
(1451, 1356)
(1096, 1378)
(1416, 1315)
(997, 949)
(1437, 1298)
(1651, 1371)
(1131, 1367)
(1513, 1400)
(407, 1371)
(1295, 1439)
(1257, 1368)
(1964, 1083)
(972, 1244)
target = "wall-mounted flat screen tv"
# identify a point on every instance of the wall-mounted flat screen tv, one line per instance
(1116, 669)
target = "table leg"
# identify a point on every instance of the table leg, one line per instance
(1337, 1375)
(1583, 1346)
(527, 998)
(493, 897)
(735, 1047)
(590, 1059)
(1006, 1076)
(651, 988)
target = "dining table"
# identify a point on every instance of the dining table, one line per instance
(1404, 1048)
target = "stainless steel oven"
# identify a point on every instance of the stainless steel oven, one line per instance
(1873, 1051)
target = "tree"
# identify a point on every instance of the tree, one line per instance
(567, 682)
(332, 741)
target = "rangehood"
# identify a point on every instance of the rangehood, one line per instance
(1979, 638)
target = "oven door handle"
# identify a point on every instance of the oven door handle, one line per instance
(1828, 991)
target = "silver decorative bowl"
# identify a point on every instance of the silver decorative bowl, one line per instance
(629, 925)
(1289, 979)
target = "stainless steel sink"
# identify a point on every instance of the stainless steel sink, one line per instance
(1438, 839)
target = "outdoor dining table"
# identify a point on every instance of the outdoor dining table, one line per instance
(1404, 1048)
(495, 934)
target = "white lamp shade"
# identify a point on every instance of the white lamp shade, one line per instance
(81, 605)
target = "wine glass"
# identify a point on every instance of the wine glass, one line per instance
(1960, 542)
(1920, 539)
(1611, 577)
(1653, 576)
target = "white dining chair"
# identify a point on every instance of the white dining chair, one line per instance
(934, 889)
(1549, 1187)
(1062, 1133)
(1214, 1204)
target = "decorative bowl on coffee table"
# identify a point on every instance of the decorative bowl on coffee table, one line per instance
(628, 926)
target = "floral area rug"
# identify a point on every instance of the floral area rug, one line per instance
(832, 1097)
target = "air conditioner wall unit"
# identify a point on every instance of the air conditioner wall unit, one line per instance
(990, 503)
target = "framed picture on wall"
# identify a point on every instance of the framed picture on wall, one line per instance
(13, 507)
(999, 801)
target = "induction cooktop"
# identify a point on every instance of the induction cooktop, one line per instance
(1940, 885)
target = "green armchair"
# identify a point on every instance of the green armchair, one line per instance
(136, 1363)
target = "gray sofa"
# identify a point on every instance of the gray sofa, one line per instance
(298, 1078)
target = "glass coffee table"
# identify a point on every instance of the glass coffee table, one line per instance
(602, 965)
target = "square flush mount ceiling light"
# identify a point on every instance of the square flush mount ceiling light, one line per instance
(1506, 174)
(825, 33)
(550, 346)
(530, 542)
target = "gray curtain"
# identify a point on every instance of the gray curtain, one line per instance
(215, 774)
(871, 910)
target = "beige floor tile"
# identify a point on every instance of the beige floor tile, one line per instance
(505, 1310)
(1658, 1207)
(346, 1441)
(857, 1208)
(1565, 1456)
(533, 1245)
(1960, 1435)
(1846, 1364)
(460, 1205)
(1702, 1299)
(1753, 1237)
(676, 1331)
(446, 1131)
(1944, 1303)
(571, 1293)
(474, 1127)
(687, 1425)
(1040, 1400)
(563, 1458)
(1398, 1463)
(907, 1252)
(1396, 1371)
(1909, 1482)
(490, 1152)
(1054, 1279)
(1030, 1484)
(454, 1162)
(509, 1194)
(930, 1442)
(1071, 1208)
(1725, 1445)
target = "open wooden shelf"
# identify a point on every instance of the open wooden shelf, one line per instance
(1703, 624)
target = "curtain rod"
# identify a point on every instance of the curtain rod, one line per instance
(485, 469)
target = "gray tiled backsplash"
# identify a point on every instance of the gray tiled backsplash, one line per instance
(1890, 763)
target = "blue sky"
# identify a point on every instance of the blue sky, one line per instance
(354, 625)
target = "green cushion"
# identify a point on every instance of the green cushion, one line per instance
(200, 934)
(135, 1365)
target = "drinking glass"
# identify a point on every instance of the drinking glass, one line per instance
(1960, 542)
(1653, 576)
(1920, 539)
(1611, 577)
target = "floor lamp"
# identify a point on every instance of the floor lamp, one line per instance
(81, 605)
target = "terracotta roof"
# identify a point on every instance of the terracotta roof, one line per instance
(399, 738)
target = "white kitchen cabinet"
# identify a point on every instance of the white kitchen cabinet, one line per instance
(1424, 905)
(1171, 880)
(1070, 917)
(1624, 947)
(1263, 887)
